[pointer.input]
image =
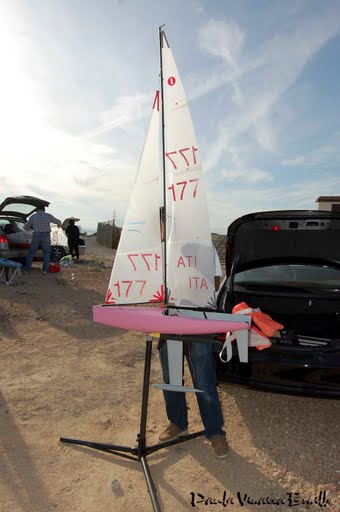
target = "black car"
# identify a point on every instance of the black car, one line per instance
(287, 263)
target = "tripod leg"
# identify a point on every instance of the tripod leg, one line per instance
(142, 432)
(150, 484)
(145, 398)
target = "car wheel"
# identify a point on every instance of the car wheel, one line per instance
(57, 253)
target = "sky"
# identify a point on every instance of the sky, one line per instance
(78, 79)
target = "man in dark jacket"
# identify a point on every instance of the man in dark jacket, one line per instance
(72, 232)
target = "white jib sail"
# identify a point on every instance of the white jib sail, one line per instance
(190, 253)
(137, 274)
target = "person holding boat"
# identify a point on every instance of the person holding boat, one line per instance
(200, 361)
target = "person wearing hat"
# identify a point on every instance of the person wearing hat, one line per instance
(72, 232)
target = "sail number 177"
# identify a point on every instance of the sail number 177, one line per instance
(187, 156)
(150, 261)
(178, 189)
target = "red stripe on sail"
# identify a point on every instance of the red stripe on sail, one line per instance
(156, 102)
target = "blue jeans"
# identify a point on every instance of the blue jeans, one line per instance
(204, 377)
(42, 238)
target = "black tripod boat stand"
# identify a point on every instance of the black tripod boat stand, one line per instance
(140, 452)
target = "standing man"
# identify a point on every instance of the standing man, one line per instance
(72, 232)
(40, 222)
(200, 360)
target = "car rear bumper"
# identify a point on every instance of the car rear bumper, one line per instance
(13, 253)
(313, 372)
(4, 254)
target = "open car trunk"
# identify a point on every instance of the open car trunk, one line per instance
(300, 316)
(287, 263)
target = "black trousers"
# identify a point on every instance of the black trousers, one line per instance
(73, 247)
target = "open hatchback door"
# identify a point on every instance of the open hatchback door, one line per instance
(21, 206)
(287, 263)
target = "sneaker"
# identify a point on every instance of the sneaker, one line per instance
(220, 446)
(172, 432)
(44, 273)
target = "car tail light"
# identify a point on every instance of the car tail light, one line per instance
(275, 228)
(3, 239)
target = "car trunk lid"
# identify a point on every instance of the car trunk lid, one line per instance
(22, 206)
(291, 237)
(265, 236)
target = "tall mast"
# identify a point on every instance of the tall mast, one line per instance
(162, 37)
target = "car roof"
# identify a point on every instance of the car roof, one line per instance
(283, 234)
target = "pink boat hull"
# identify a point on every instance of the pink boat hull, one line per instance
(149, 320)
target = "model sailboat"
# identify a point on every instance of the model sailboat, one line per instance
(165, 254)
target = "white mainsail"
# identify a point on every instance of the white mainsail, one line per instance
(139, 272)
(190, 253)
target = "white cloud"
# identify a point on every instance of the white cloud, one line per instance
(265, 135)
(239, 169)
(126, 110)
(80, 175)
(250, 175)
(327, 155)
(262, 76)
(198, 7)
(225, 41)
(222, 39)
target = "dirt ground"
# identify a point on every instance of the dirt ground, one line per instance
(64, 375)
